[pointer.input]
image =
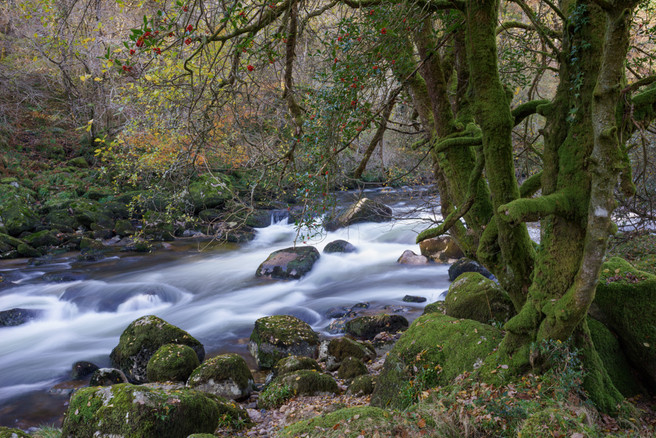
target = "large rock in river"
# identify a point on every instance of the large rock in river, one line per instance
(172, 363)
(463, 265)
(444, 346)
(289, 263)
(279, 336)
(131, 411)
(364, 210)
(626, 302)
(142, 339)
(226, 375)
(13, 317)
(367, 327)
(473, 296)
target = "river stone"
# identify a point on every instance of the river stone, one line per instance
(289, 263)
(131, 411)
(172, 363)
(410, 258)
(350, 368)
(625, 301)
(367, 327)
(226, 375)
(309, 382)
(294, 363)
(339, 246)
(332, 352)
(361, 385)
(14, 317)
(463, 265)
(278, 336)
(6, 432)
(433, 341)
(434, 246)
(414, 299)
(107, 377)
(82, 369)
(473, 296)
(8, 243)
(364, 210)
(42, 238)
(142, 338)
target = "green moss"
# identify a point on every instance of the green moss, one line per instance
(309, 382)
(626, 299)
(440, 345)
(42, 238)
(142, 338)
(362, 385)
(279, 336)
(17, 216)
(220, 374)
(138, 411)
(367, 327)
(436, 307)
(335, 423)
(172, 362)
(6, 432)
(289, 263)
(473, 296)
(552, 422)
(211, 191)
(295, 363)
(276, 394)
(350, 368)
(341, 348)
(613, 358)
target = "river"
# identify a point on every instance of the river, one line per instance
(212, 294)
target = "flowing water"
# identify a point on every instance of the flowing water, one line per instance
(214, 295)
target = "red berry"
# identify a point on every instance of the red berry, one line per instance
(140, 42)
(190, 28)
(188, 41)
(185, 8)
(375, 67)
(250, 67)
(132, 51)
(157, 50)
(383, 31)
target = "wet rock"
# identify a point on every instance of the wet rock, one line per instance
(107, 377)
(351, 367)
(142, 338)
(14, 317)
(82, 369)
(337, 312)
(289, 263)
(279, 336)
(140, 411)
(410, 258)
(295, 363)
(172, 363)
(339, 246)
(432, 247)
(364, 210)
(396, 309)
(367, 327)
(414, 299)
(226, 375)
(467, 265)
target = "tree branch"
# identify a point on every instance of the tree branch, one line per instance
(526, 109)
(378, 136)
(560, 203)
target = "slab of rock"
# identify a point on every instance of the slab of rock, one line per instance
(14, 317)
(339, 246)
(289, 263)
(142, 338)
(364, 210)
(279, 336)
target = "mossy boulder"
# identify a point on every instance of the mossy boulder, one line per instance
(42, 238)
(279, 336)
(25, 250)
(614, 359)
(6, 432)
(132, 411)
(62, 219)
(437, 342)
(210, 191)
(626, 302)
(82, 369)
(172, 363)
(339, 246)
(334, 351)
(18, 217)
(226, 375)
(551, 422)
(289, 263)
(473, 296)
(124, 227)
(107, 377)
(364, 210)
(367, 327)
(295, 363)
(7, 242)
(308, 382)
(350, 368)
(87, 212)
(463, 265)
(436, 307)
(142, 338)
(362, 385)
(334, 424)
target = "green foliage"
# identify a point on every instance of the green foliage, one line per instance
(276, 394)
